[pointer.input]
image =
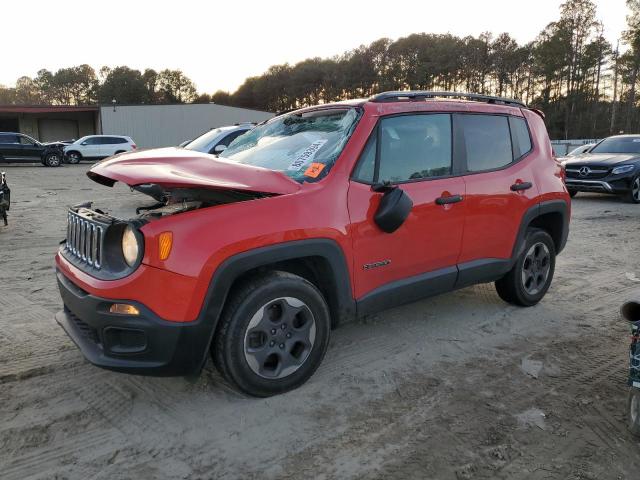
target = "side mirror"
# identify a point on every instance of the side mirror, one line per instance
(630, 311)
(219, 148)
(395, 206)
(83, 143)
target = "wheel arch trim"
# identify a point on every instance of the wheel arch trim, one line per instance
(235, 266)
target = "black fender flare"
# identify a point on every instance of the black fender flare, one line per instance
(550, 206)
(341, 302)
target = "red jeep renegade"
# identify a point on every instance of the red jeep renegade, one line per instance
(310, 219)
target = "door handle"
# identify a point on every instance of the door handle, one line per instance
(449, 199)
(516, 187)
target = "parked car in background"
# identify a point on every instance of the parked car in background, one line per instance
(216, 140)
(97, 147)
(310, 219)
(611, 166)
(17, 147)
(581, 149)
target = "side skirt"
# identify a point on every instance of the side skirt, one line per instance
(432, 283)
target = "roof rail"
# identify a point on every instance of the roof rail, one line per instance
(414, 95)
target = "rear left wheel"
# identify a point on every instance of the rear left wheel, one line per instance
(53, 160)
(529, 279)
(273, 334)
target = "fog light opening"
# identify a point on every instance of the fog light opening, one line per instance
(123, 309)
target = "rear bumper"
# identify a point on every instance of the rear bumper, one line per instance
(141, 344)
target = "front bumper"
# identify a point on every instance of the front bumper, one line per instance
(141, 344)
(616, 184)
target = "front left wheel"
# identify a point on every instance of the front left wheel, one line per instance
(273, 334)
(633, 195)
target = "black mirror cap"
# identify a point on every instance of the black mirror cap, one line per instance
(395, 206)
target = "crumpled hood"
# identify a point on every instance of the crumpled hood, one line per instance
(601, 158)
(178, 168)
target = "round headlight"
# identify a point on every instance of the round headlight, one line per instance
(130, 247)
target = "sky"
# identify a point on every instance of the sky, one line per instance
(219, 44)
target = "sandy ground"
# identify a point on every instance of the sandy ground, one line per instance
(460, 386)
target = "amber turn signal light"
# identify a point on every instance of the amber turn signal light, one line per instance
(123, 309)
(165, 241)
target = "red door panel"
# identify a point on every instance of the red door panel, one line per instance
(494, 211)
(430, 238)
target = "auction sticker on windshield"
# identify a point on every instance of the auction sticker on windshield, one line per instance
(307, 155)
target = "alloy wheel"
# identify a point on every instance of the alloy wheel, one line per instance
(53, 160)
(535, 268)
(279, 338)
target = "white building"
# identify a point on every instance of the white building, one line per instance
(166, 125)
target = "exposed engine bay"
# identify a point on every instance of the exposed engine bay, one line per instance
(169, 201)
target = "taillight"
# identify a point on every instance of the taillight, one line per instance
(134, 146)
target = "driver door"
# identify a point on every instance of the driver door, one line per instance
(414, 153)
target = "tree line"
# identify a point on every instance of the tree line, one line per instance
(81, 85)
(586, 86)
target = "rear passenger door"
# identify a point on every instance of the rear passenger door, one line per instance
(415, 153)
(107, 146)
(499, 188)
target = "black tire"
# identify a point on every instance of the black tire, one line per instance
(633, 411)
(633, 195)
(572, 193)
(53, 159)
(74, 158)
(235, 344)
(526, 283)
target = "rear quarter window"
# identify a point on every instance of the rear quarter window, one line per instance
(520, 137)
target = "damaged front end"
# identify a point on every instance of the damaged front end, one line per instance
(109, 244)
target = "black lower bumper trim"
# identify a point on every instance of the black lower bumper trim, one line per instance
(140, 344)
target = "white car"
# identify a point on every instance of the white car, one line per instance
(216, 140)
(97, 147)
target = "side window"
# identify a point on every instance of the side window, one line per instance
(487, 141)
(8, 139)
(414, 147)
(367, 163)
(519, 137)
(226, 141)
(92, 141)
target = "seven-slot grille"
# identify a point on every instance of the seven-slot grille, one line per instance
(84, 239)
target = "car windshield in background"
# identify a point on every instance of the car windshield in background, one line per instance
(202, 142)
(618, 145)
(304, 146)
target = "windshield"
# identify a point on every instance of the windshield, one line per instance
(201, 143)
(618, 145)
(303, 146)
